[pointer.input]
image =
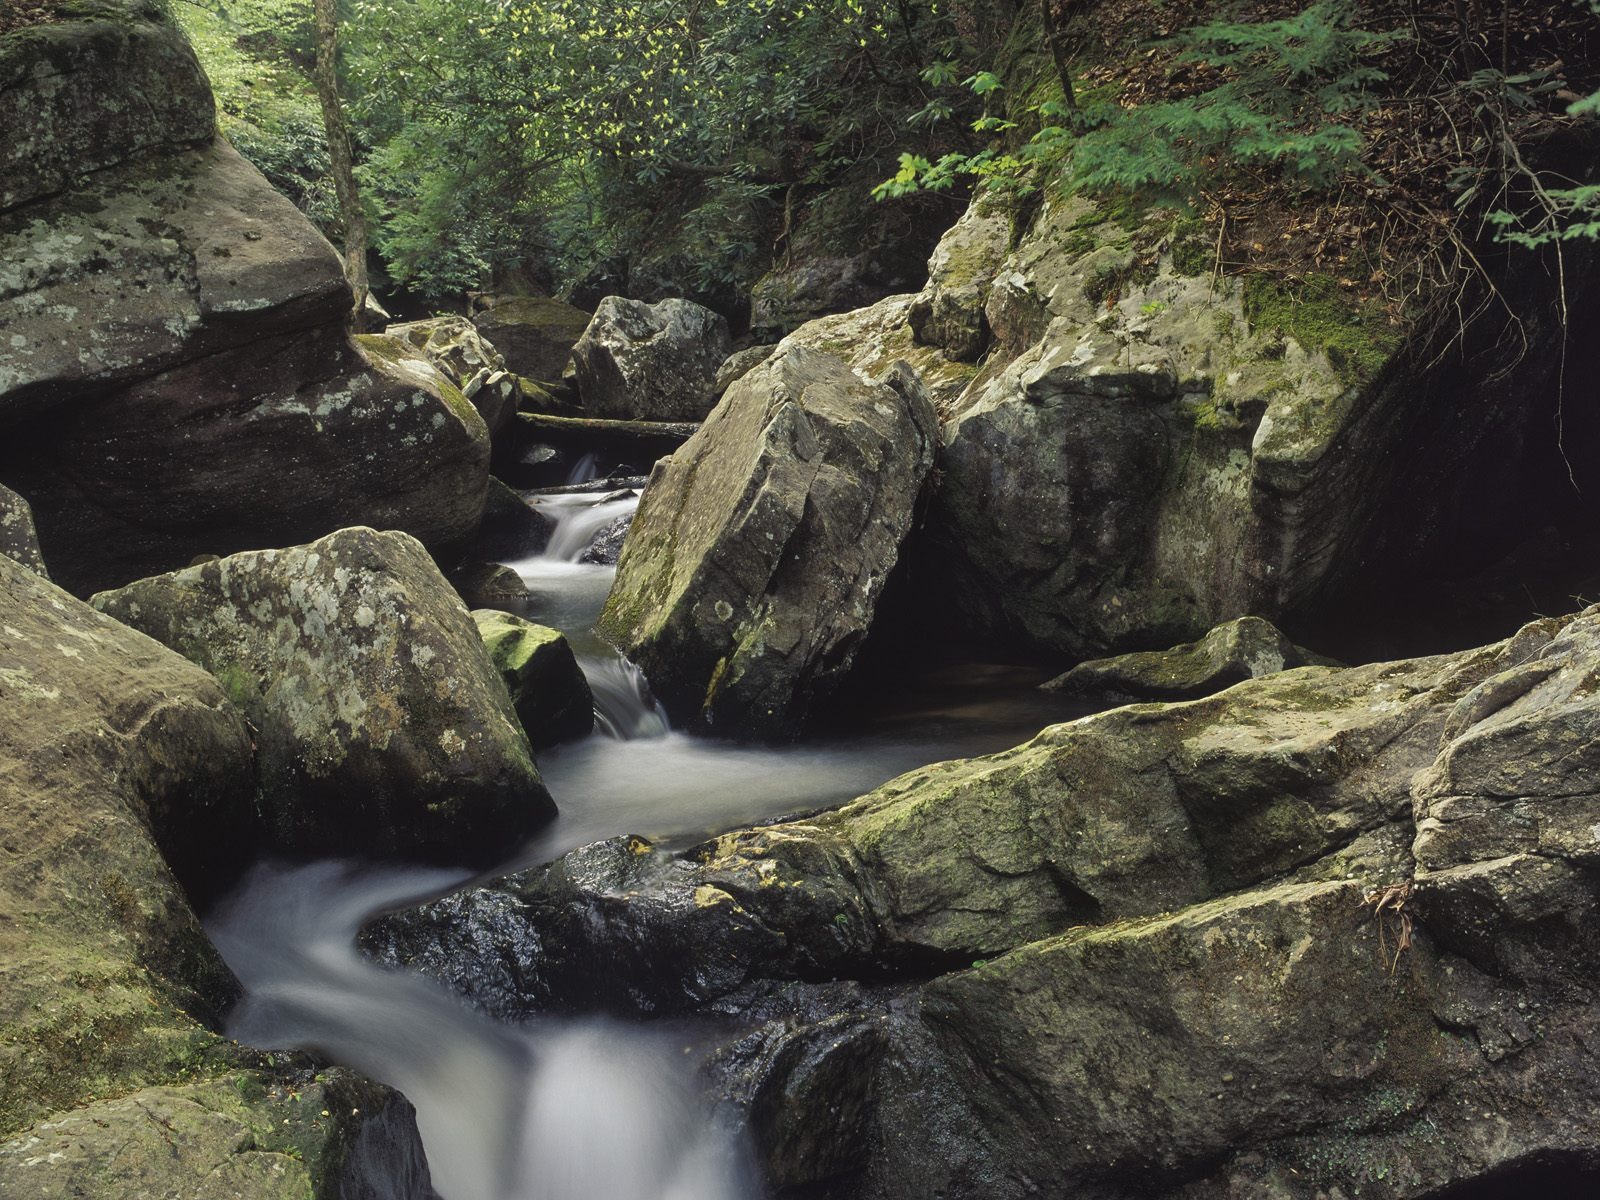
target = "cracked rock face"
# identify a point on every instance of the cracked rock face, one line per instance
(650, 362)
(381, 725)
(753, 567)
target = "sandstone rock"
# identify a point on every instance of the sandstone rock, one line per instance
(110, 81)
(948, 314)
(112, 746)
(1246, 648)
(534, 334)
(653, 362)
(755, 560)
(538, 667)
(18, 538)
(257, 447)
(382, 728)
(97, 300)
(453, 345)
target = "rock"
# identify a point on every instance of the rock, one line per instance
(547, 686)
(949, 312)
(654, 362)
(275, 442)
(1246, 648)
(116, 758)
(488, 585)
(381, 726)
(452, 344)
(739, 364)
(787, 297)
(758, 552)
(606, 547)
(18, 538)
(512, 528)
(873, 339)
(1149, 451)
(535, 334)
(238, 1137)
(104, 83)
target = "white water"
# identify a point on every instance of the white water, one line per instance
(574, 1110)
(555, 1110)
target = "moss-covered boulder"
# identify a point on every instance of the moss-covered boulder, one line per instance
(103, 81)
(547, 686)
(753, 566)
(1151, 449)
(535, 334)
(18, 537)
(1246, 648)
(381, 725)
(650, 362)
(266, 445)
(116, 757)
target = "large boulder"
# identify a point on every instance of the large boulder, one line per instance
(382, 728)
(176, 376)
(650, 362)
(1149, 450)
(117, 757)
(534, 334)
(18, 537)
(65, 87)
(755, 561)
(949, 311)
(541, 673)
(266, 445)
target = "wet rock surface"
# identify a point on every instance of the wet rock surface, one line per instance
(381, 725)
(755, 560)
(1331, 926)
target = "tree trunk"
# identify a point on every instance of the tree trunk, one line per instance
(339, 155)
(1058, 51)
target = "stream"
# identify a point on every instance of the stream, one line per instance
(574, 1109)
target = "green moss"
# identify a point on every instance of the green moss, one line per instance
(1321, 316)
(1193, 253)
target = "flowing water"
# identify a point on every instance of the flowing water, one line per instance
(571, 1110)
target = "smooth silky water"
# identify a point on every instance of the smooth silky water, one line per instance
(571, 1109)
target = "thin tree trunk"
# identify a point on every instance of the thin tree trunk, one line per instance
(1058, 51)
(339, 155)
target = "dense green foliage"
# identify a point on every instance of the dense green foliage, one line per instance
(498, 134)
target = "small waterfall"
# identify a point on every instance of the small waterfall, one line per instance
(554, 1110)
(585, 469)
(572, 592)
(623, 706)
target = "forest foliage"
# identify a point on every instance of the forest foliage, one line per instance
(504, 136)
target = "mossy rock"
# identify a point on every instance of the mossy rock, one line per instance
(548, 688)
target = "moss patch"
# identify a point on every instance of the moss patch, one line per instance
(1317, 313)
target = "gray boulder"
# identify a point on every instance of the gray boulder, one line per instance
(650, 362)
(739, 364)
(18, 538)
(381, 725)
(949, 313)
(1246, 648)
(534, 334)
(541, 673)
(755, 561)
